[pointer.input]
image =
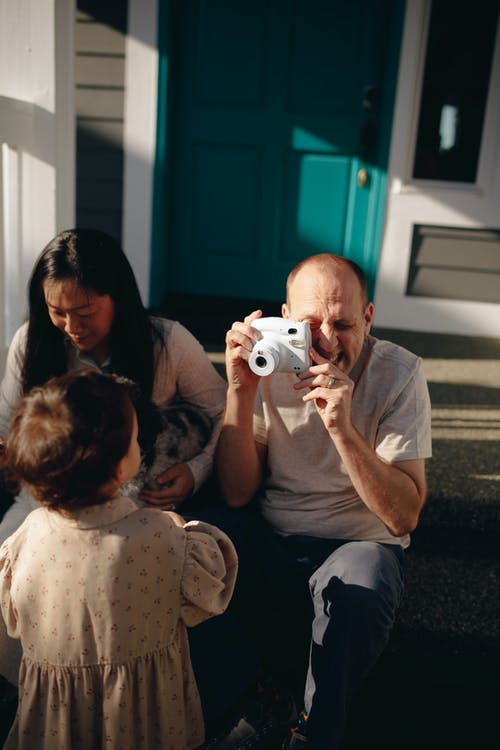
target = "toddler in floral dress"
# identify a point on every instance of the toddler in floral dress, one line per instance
(98, 591)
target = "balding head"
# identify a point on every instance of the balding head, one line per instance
(329, 263)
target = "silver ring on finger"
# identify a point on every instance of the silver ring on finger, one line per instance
(331, 382)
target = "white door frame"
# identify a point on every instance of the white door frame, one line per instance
(139, 145)
(412, 201)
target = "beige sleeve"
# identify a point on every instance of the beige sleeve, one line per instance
(209, 575)
(184, 371)
(10, 646)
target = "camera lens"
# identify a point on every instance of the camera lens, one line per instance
(292, 331)
(263, 359)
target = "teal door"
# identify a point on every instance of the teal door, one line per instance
(273, 140)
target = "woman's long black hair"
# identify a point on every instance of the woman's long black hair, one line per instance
(94, 261)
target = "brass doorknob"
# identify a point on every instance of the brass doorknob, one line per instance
(363, 178)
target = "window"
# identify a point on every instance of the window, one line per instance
(455, 89)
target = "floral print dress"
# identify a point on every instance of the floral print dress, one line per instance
(100, 601)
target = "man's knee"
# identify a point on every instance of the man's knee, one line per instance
(367, 565)
(360, 585)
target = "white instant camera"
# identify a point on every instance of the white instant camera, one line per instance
(284, 346)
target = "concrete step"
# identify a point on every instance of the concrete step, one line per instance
(464, 472)
(451, 608)
(427, 709)
(436, 685)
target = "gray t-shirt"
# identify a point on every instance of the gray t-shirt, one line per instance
(307, 489)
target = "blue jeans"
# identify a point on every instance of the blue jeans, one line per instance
(344, 594)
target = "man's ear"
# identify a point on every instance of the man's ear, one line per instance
(368, 317)
(285, 313)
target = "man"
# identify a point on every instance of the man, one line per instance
(335, 457)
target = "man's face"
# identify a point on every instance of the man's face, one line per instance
(329, 298)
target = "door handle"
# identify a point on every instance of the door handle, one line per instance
(363, 178)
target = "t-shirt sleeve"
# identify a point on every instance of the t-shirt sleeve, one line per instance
(209, 574)
(8, 611)
(404, 432)
(10, 645)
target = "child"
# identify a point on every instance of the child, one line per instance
(98, 591)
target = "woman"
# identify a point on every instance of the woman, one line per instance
(85, 310)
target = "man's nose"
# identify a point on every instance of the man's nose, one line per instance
(327, 337)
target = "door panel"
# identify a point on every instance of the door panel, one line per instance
(269, 127)
(226, 185)
(313, 214)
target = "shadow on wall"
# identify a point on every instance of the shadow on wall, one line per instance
(100, 34)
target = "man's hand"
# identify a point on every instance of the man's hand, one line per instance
(236, 446)
(240, 340)
(395, 493)
(331, 390)
(178, 484)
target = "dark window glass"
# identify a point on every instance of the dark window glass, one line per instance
(456, 78)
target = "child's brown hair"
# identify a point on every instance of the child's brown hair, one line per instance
(68, 436)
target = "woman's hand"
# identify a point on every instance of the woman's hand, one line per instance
(177, 484)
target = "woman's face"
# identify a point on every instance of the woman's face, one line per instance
(84, 316)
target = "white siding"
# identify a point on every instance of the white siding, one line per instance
(37, 142)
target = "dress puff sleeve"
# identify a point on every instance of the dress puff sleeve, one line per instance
(209, 574)
(8, 611)
(10, 646)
